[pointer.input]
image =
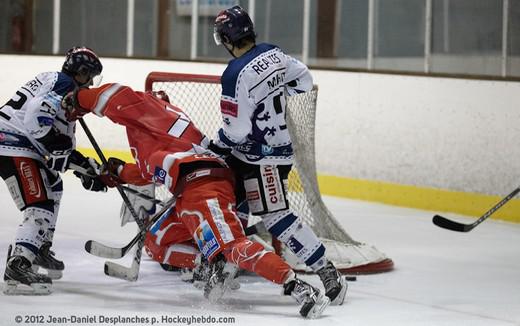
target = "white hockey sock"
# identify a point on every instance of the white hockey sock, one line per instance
(31, 233)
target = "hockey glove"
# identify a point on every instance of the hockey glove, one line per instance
(59, 147)
(110, 172)
(69, 103)
(90, 179)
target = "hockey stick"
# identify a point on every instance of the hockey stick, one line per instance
(460, 227)
(132, 272)
(137, 193)
(98, 249)
(105, 162)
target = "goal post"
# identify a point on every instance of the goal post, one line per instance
(199, 97)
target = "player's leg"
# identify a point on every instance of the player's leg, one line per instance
(266, 189)
(46, 257)
(24, 180)
(171, 245)
(221, 238)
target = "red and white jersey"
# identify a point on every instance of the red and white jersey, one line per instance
(161, 136)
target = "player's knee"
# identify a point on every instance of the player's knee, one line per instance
(244, 250)
(282, 225)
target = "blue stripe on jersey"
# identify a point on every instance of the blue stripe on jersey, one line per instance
(235, 66)
(10, 139)
(223, 138)
(64, 84)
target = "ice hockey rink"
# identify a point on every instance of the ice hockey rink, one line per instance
(440, 277)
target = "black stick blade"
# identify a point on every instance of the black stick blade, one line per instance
(98, 249)
(450, 225)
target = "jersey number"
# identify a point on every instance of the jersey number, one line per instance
(277, 104)
(15, 105)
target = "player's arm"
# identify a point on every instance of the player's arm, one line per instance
(236, 107)
(39, 122)
(298, 78)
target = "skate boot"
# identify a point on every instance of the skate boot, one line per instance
(311, 300)
(202, 272)
(20, 279)
(222, 276)
(334, 283)
(45, 259)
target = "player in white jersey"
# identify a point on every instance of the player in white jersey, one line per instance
(36, 144)
(254, 133)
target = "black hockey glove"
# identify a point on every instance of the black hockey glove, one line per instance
(220, 151)
(110, 173)
(69, 103)
(59, 147)
(89, 177)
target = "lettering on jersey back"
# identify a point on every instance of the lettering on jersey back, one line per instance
(275, 81)
(262, 64)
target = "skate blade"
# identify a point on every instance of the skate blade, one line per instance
(319, 306)
(340, 298)
(17, 288)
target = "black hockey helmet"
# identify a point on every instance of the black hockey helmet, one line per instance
(233, 25)
(82, 61)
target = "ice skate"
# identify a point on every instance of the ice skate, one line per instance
(46, 260)
(312, 301)
(21, 280)
(221, 278)
(334, 283)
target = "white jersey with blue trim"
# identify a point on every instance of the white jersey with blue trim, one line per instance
(32, 112)
(253, 104)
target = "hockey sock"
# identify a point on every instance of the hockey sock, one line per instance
(252, 257)
(298, 237)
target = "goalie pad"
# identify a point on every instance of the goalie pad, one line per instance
(143, 207)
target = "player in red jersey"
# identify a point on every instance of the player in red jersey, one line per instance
(170, 150)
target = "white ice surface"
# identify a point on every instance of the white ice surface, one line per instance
(440, 277)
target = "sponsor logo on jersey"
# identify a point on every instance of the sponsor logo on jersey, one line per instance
(229, 108)
(33, 186)
(272, 187)
(253, 195)
(206, 239)
(159, 175)
(267, 150)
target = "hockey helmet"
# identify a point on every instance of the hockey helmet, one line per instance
(82, 61)
(232, 25)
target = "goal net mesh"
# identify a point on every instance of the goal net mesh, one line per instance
(199, 97)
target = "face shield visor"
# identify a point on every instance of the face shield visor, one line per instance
(216, 36)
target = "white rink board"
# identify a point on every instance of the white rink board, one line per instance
(432, 132)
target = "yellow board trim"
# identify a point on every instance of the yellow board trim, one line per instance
(437, 200)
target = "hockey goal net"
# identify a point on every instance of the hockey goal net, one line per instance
(199, 96)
